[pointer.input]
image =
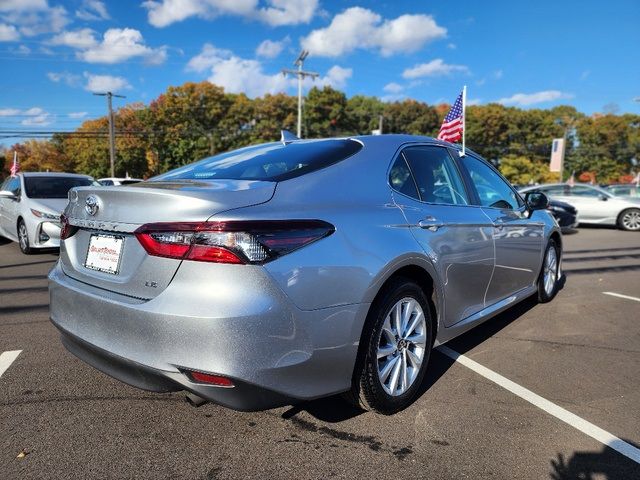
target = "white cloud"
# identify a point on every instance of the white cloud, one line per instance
(451, 46)
(498, 74)
(393, 87)
(336, 77)
(162, 13)
(36, 116)
(9, 112)
(288, 12)
(78, 115)
(525, 99)
(240, 75)
(105, 83)
(434, 68)
(121, 44)
(92, 10)
(23, 5)
(83, 38)
(21, 50)
(65, 77)
(474, 101)
(8, 33)
(272, 48)
(207, 58)
(33, 17)
(359, 27)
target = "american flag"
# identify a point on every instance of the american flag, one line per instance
(15, 167)
(451, 129)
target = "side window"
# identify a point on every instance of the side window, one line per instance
(401, 179)
(555, 190)
(436, 175)
(492, 189)
(14, 186)
(580, 191)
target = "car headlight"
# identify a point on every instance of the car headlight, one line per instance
(556, 208)
(47, 216)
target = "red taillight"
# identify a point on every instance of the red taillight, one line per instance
(230, 242)
(66, 230)
(210, 379)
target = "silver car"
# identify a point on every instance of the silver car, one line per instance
(31, 204)
(295, 270)
(594, 204)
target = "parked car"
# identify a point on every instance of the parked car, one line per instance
(566, 215)
(596, 205)
(109, 181)
(31, 204)
(294, 270)
(624, 190)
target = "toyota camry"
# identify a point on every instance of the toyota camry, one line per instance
(298, 269)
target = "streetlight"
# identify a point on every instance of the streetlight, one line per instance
(301, 74)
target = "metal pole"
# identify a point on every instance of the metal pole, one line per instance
(112, 129)
(380, 121)
(301, 74)
(464, 118)
(112, 136)
(299, 100)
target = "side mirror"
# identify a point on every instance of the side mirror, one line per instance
(7, 194)
(536, 201)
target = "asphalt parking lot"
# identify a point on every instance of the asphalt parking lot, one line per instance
(581, 353)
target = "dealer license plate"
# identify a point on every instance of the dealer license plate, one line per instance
(104, 253)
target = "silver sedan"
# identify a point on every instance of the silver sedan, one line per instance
(299, 269)
(595, 205)
(31, 204)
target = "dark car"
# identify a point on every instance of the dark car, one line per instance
(566, 215)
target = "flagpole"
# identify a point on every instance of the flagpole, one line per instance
(464, 118)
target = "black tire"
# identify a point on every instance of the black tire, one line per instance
(367, 390)
(629, 220)
(23, 239)
(545, 295)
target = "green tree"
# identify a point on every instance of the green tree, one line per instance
(325, 113)
(412, 117)
(363, 114)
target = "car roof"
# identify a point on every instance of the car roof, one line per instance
(53, 174)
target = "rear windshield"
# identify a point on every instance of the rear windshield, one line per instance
(271, 162)
(53, 187)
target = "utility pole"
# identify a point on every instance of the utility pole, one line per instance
(112, 129)
(301, 74)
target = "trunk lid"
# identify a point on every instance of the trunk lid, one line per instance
(122, 209)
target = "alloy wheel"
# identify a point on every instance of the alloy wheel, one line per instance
(550, 270)
(631, 220)
(23, 238)
(401, 346)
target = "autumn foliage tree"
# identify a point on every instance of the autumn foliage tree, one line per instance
(195, 120)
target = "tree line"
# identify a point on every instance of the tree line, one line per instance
(196, 120)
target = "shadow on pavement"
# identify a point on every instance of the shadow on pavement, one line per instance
(26, 264)
(605, 464)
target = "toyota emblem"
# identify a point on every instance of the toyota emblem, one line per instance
(91, 205)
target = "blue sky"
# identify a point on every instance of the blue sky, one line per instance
(528, 54)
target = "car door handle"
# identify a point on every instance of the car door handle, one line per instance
(430, 223)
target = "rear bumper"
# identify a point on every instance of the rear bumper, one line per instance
(274, 353)
(242, 396)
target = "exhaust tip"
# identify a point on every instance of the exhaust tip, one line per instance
(194, 400)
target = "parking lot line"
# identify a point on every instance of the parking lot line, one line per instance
(619, 295)
(566, 416)
(7, 358)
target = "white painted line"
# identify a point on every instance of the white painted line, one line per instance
(619, 295)
(6, 359)
(566, 416)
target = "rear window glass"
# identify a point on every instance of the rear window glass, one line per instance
(271, 162)
(53, 187)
